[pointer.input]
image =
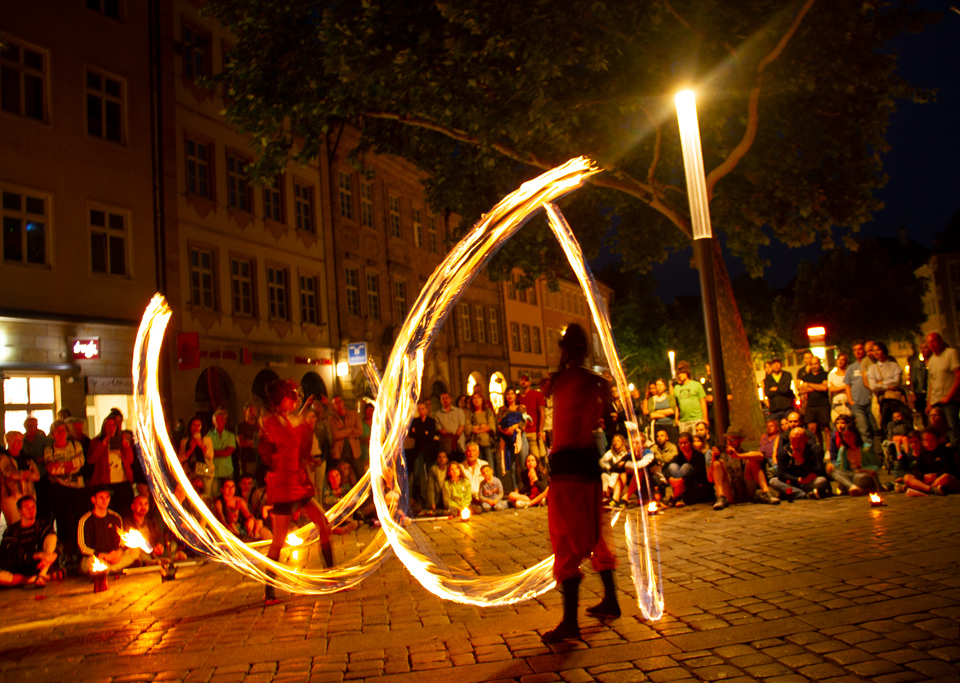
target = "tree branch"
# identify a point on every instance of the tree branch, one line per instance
(656, 148)
(686, 24)
(750, 134)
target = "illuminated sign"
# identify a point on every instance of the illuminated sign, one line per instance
(86, 349)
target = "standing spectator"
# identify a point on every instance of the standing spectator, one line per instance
(64, 465)
(837, 389)
(919, 380)
(347, 430)
(196, 454)
(482, 428)
(20, 475)
(885, 380)
(944, 384)
(426, 442)
(815, 385)
(451, 425)
(511, 419)
(691, 399)
(112, 456)
(536, 405)
(367, 426)
(316, 466)
(860, 398)
(662, 408)
(29, 548)
(35, 445)
(776, 387)
(224, 444)
(248, 431)
(98, 535)
(548, 412)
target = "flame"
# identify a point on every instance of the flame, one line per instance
(875, 498)
(98, 566)
(293, 539)
(465, 514)
(652, 507)
(134, 539)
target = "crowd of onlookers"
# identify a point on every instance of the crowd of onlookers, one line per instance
(66, 497)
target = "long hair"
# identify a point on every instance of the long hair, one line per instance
(278, 390)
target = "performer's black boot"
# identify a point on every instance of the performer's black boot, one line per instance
(269, 591)
(568, 629)
(609, 607)
(327, 551)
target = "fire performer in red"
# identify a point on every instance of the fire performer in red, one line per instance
(575, 510)
(289, 488)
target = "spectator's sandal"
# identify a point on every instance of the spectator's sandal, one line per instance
(58, 575)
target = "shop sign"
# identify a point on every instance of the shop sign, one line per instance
(86, 349)
(110, 385)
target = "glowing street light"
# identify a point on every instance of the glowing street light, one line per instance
(703, 248)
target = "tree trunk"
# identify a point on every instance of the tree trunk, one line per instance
(745, 410)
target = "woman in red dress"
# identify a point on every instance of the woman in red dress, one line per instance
(289, 488)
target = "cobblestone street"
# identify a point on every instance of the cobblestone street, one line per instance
(829, 590)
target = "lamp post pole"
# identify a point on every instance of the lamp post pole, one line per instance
(703, 249)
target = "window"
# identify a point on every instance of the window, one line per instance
(105, 103)
(303, 207)
(242, 286)
(536, 340)
(366, 204)
(110, 8)
(108, 241)
(202, 282)
(196, 52)
(525, 336)
(395, 216)
(373, 296)
(23, 75)
(25, 221)
(432, 233)
(480, 324)
(309, 311)
(521, 293)
(199, 168)
(273, 201)
(552, 342)
(417, 217)
(511, 292)
(494, 326)
(515, 336)
(25, 397)
(239, 195)
(346, 196)
(400, 298)
(353, 291)
(465, 322)
(278, 289)
(533, 295)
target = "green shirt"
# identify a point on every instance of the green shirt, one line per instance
(222, 467)
(688, 397)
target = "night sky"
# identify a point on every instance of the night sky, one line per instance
(923, 191)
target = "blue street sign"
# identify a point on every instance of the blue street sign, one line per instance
(357, 353)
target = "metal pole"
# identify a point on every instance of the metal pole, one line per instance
(704, 251)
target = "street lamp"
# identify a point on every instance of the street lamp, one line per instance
(673, 363)
(703, 248)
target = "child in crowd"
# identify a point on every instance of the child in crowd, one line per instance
(895, 445)
(456, 490)
(491, 491)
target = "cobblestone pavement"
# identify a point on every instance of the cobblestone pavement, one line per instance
(817, 590)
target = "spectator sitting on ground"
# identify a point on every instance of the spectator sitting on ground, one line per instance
(737, 475)
(533, 485)
(627, 479)
(935, 470)
(609, 461)
(664, 450)
(937, 421)
(769, 443)
(436, 476)
(855, 468)
(333, 491)
(687, 474)
(456, 490)
(702, 429)
(153, 531)
(895, 445)
(799, 469)
(99, 536)
(472, 467)
(19, 472)
(491, 491)
(229, 508)
(29, 552)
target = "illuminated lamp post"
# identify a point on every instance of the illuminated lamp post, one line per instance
(817, 337)
(703, 248)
